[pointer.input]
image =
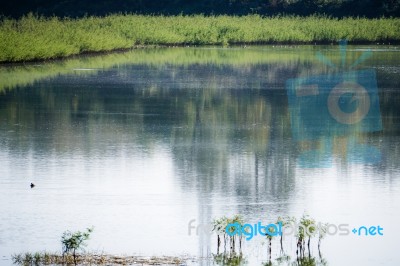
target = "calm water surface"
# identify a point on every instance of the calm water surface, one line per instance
(139, 144)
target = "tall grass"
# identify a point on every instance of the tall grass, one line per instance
(36, 38)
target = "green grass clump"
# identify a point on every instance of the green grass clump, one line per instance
(39, 38)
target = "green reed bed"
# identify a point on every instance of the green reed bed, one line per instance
(38, 38)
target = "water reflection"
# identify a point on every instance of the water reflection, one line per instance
(198, 138)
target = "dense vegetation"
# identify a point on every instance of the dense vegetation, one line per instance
(73, 8)
(35, 38)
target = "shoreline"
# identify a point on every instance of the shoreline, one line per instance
(171, 46)
(47, 258)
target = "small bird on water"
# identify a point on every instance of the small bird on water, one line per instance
(32, 185)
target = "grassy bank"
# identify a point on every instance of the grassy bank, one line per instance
(34, 38)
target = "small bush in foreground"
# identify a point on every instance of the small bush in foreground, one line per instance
(73, 242)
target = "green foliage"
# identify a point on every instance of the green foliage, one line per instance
(271, 233)
(38, 38)
(73, 242)
(219, 226)
(307, 227)
(28, 259)
(229, 259)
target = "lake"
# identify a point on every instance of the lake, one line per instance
(139, 144)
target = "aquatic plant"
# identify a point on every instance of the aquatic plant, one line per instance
(229, 259)
(238, 219)
(286, 220)
(270, 235)
(307, 229)
(73, 242)
(220, 225)
(322, 230)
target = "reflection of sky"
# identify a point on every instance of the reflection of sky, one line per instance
(134, 202)
(357, 196)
